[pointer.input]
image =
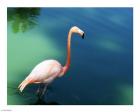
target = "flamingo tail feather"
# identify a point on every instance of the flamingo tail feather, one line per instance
(23, 84)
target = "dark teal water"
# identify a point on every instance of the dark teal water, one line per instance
(101, 70)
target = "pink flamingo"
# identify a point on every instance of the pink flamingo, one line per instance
(48, 70)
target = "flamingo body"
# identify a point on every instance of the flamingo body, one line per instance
(46, 69)
(44, 72)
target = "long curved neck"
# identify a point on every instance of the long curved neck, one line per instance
(67, 65)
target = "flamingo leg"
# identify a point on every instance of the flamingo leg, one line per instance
(44, 90)
(39, 90)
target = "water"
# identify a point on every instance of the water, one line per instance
(101, 70)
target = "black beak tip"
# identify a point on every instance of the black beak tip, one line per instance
(83, 36)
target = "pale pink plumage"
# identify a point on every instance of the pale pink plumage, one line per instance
(44, 72)
(48, 70)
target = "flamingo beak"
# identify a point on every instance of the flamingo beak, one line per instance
(83, 36)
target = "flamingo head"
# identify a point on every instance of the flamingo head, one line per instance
(77, 30)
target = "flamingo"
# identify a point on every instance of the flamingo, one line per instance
(48, 70)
